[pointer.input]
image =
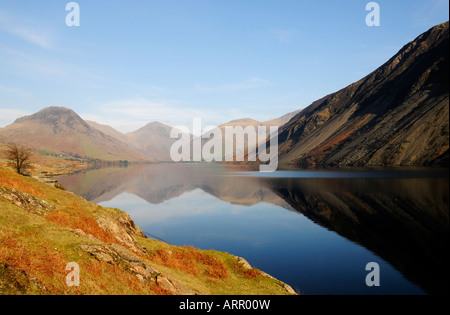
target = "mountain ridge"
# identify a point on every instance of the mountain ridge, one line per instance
(153, 140)
(60, 131)
(395, 116)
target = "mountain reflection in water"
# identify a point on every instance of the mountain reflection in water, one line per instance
(401, 216)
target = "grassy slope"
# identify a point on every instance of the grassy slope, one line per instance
(38, 239)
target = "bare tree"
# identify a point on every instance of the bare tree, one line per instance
(18, 158)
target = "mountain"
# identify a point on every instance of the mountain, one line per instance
(153, 140)
(397, 116)
(244, 122)
(60, 131)
(110, 131)
(248, 122)
(281, 121)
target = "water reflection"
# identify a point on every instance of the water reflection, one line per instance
(403, 220)
(158, 183)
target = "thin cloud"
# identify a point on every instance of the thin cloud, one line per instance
(16, 91)
(8, 116)
(251, 83)
(122, 125)
(127, 115)
(49, 70)
(31, 34)
(27, 63)
(283, 36)
(424, 14)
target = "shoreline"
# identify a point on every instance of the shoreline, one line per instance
(110, 239)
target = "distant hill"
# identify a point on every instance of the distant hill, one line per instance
(244, 122)
(110, 131)
(248, 122)
(281, 121)
(153, 140)
(396, 116)
(60, 131)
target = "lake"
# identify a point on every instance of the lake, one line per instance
(313, 229)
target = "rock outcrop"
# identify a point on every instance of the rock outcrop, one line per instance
(25, 201)
(117, 255)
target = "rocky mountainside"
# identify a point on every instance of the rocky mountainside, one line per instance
(59, 130)
(398, 115)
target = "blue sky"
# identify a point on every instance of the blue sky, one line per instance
(137, 61)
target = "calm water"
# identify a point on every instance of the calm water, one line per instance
(315, 230)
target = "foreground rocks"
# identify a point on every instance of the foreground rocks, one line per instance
(117, 255)
(26, 201)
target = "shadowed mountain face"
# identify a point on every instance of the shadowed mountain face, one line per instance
(398, 115)
(59, 130)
